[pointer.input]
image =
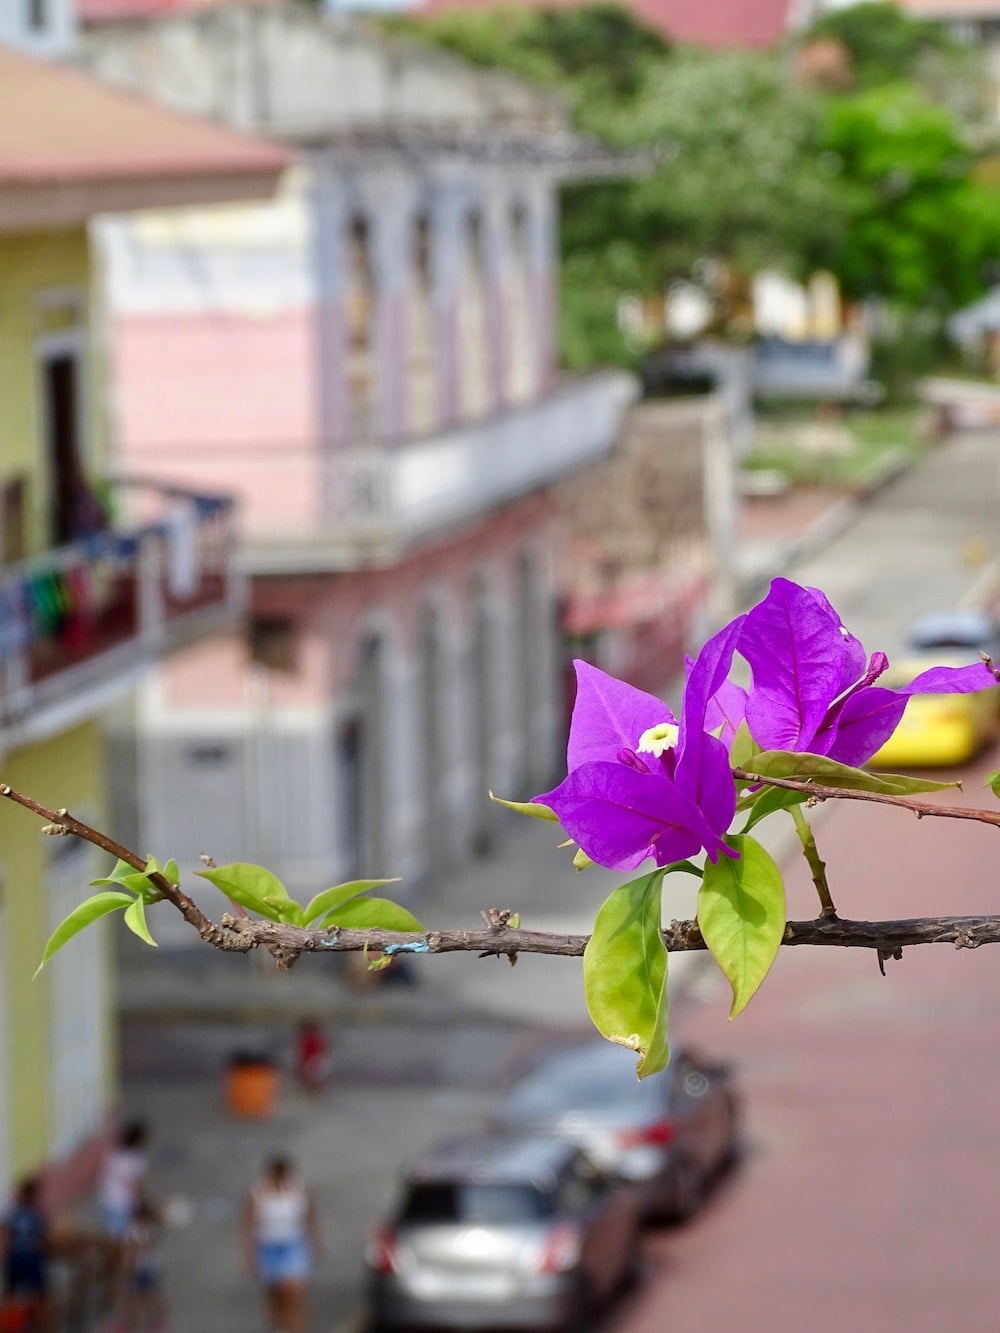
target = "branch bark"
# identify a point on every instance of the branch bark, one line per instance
(240, 934)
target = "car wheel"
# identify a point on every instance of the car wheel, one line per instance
(689, 1190)
(734, 1138)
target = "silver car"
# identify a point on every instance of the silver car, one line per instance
(499, 1231)
(669, 1135)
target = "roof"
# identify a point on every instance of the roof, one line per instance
(492, 1157)
(721, 23)
(951, 9)
(71, 146)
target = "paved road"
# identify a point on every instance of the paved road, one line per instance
(869, 1196)
(869, 1099)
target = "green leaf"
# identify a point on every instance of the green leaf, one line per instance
(283, 908)
(340, 893)
(625, 972)
(768, 800)
(530, 808)
(248, 885)
(827, 772)
(743, 748)
(741, 912)
(135, 919)
(992, 780)
(121, 874)
(89, 911)
(684, 867)
(372, 913)
(171, 872)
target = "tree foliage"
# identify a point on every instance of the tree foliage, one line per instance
(873, 181)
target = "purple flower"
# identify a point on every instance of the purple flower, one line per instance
(641, 783)
(813, 689)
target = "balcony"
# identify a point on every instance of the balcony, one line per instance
(79, 624)
(363, 504)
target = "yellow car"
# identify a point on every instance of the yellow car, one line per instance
(943, 730)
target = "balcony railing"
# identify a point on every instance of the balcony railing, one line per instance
(371, 501)
(81, 621)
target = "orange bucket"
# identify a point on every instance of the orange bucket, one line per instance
(251, 1087)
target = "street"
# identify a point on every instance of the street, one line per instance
(864, 1199)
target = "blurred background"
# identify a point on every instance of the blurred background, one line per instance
(358, 370)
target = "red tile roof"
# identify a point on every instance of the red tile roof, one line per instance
(716, 23)
(58, 126)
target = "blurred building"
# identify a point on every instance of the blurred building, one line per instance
(726, 23)
(98, 578)
(370, 363)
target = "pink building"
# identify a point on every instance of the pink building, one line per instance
(369, 363)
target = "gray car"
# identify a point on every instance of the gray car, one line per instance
(669, 1135)
(521, 1232)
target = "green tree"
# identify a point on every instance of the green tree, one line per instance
(883, 43)
(921, 229)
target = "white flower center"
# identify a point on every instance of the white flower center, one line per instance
(657, 739)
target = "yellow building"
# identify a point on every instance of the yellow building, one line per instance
(98, 580)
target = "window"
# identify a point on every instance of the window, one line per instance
(274, 642)
(38, 16)
(483, 1205)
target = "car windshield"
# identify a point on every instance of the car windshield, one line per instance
(586, 1082)
(483, 1204)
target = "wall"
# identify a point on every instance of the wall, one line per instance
(44, 288)
(248, 764)
(68, 770)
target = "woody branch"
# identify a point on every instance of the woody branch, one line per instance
(240, 934)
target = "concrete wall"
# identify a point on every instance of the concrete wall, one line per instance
(289, 71)
(36, 1089)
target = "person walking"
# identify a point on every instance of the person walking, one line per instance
(281, 1237)
(24, 1243)
(145, 1307)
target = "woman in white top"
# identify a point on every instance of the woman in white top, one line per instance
(279, 1225)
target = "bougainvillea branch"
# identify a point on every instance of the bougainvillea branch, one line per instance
(240, 934)
(642, 784)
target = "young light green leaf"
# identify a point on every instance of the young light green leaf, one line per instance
(372, 913)
(827, 772)
(992, 780)
(530, 808)
(766, 801)
(625, 972)
(581, 861)
(90, 910)
(340, 893)
(247, 885)
(135, 919)
(172, 872)
(121, 874)
(741, 912)
(283, 909)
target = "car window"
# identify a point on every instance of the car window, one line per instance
(585, 1083)
(493, 1205)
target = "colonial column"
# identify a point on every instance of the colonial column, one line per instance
(329, 321)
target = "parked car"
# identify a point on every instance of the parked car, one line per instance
(669, 1135)
(940, 730)
(524, 1232)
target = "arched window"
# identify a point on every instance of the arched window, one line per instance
(421, 358)
(522, 356)
(360, 320)
(475, 395)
